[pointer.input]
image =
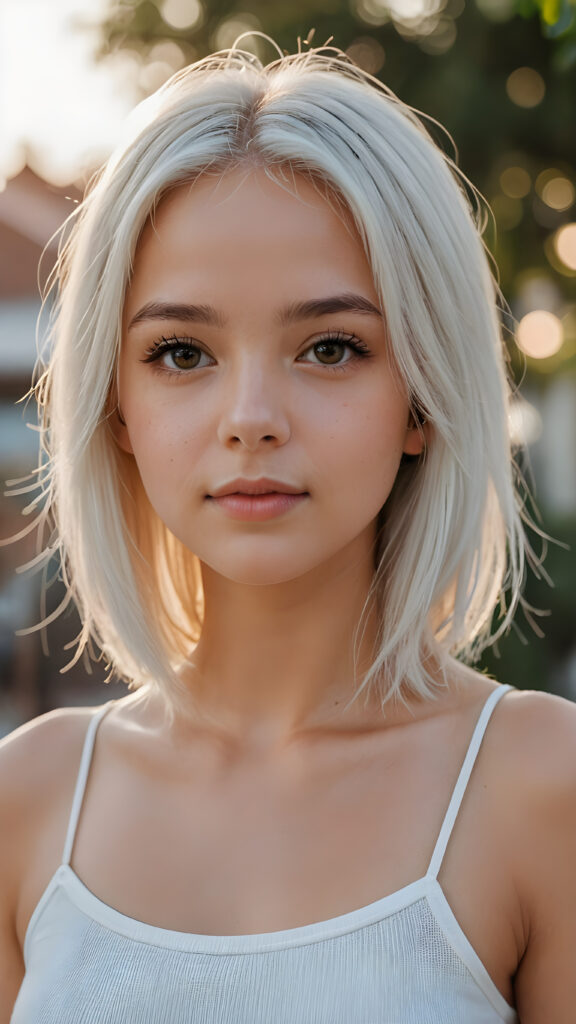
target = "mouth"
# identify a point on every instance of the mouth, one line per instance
(257, 500)
(255, 488)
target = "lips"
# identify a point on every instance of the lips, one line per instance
(255, 487)
(257, 501)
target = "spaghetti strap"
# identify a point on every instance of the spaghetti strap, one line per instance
(82, 779)
(462, 780)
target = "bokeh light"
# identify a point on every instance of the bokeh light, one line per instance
(373, 12)
(565, 245)
(412, 10)
(515, 182)
(228, 31)
(555, 189)
(182, 14)
(368, 53)
(526, 87)
(412, 18)
(496, 10)
(169, 52)
(441, 38)
(540, 334)
(525, 422)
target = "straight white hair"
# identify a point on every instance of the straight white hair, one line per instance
(450, 538)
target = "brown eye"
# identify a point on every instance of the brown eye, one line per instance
(184, 358)
(330, 351)
(337, 350)
(177, 356)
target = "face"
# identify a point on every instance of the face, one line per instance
(255, 384)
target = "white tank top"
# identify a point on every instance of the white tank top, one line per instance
(401, 960)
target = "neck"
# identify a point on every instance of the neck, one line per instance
(277, 661)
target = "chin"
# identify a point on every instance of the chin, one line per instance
(261, 568)
(265, 575)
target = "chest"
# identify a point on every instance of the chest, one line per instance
(256, 851)
(252, 850)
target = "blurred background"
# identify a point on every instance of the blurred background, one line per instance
(500, 75)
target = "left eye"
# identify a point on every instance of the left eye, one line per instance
(335, 351)
(185, 357)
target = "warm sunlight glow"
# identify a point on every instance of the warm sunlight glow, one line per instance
(565, 245)
(540, 334)
(62, 110)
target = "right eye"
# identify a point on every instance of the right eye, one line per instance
(177, 355)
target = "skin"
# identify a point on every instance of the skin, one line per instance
(289, 806)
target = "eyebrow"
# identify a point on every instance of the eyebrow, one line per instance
(203, 314)
(177, 311)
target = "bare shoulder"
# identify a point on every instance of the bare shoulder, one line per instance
(536, 738)
(38, 767)
(530, 758)
(39, 754)
(531, 739)
(537, 732)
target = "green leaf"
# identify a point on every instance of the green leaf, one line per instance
(551, 11)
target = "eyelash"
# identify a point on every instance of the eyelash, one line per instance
(172, 344)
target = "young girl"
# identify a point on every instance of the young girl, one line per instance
(280, 485)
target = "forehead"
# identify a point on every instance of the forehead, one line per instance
(222, 232)
(250, 196)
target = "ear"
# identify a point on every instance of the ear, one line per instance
(120, 430)
(417, 435)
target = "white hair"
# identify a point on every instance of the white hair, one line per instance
(450, 537)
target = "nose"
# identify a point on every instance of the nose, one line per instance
(254, 409)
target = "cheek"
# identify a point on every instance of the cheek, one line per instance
(367, 440)
(162, 428)
(166, 448)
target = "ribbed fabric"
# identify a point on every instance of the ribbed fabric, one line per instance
(401, 960)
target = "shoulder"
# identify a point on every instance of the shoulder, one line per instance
(33, 756)
(536, 736)
(536, 732)
(533, 740)
(530, 755)
(38, 767)
(41, 758)
(531, 734)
